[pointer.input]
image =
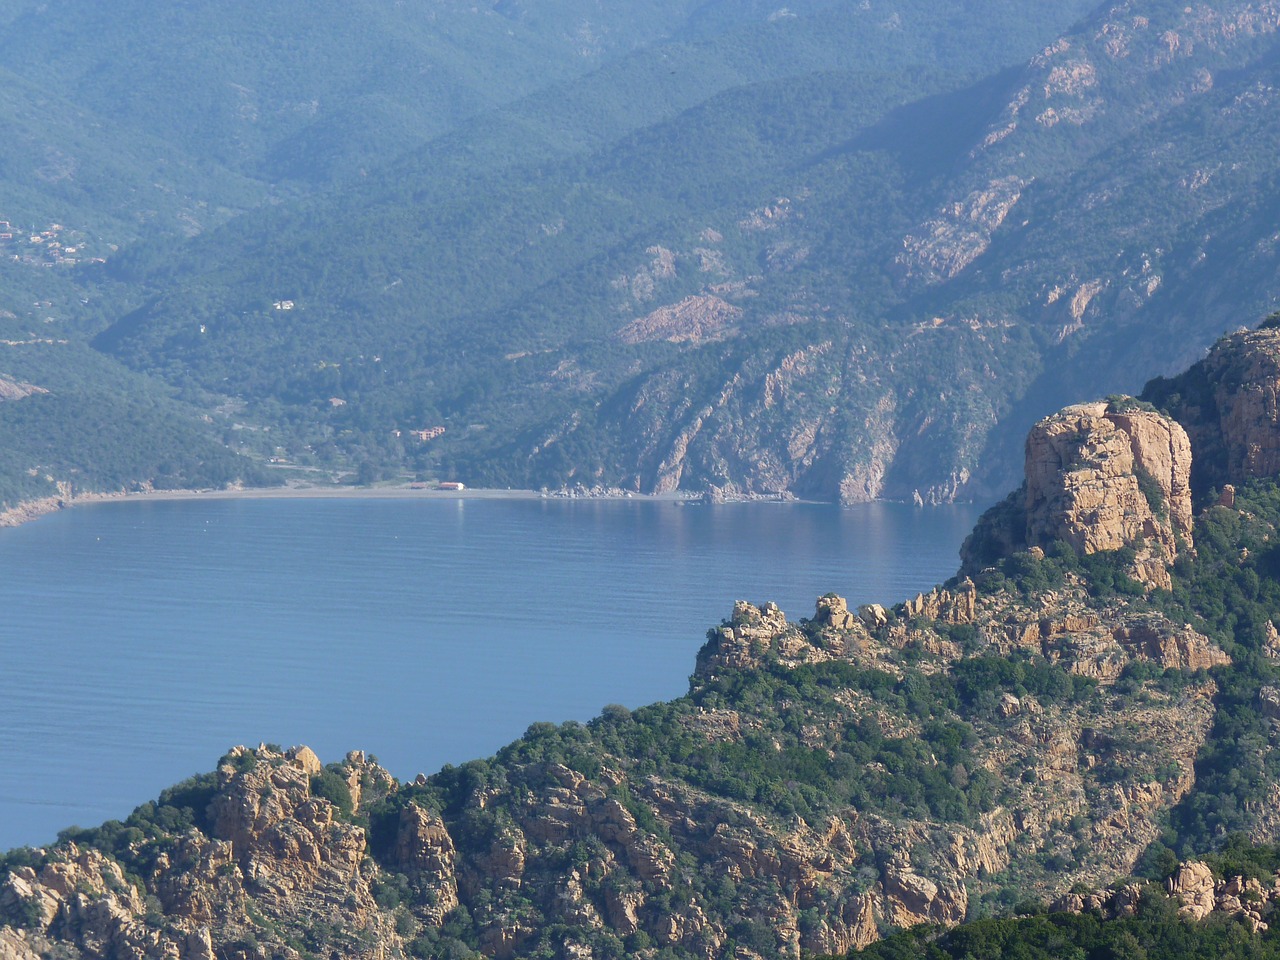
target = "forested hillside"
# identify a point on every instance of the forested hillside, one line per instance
(833, 250)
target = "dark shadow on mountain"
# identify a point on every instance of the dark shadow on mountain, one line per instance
(930, 136)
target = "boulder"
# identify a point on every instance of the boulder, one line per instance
(833, 611)
(1193, 887)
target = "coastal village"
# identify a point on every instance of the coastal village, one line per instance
(52, 245)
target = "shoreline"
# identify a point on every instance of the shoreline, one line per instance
(29, 510)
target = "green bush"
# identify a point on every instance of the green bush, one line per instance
(329, 784)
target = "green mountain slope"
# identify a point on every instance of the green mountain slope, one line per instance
(839, 253)
(73, 421)
(854, 278)
(474, 275)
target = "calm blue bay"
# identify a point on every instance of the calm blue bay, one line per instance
(140, 640)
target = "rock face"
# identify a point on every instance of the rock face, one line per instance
(958, 607)
(1197, 893)
(1229, 403)
(693, 319)
(1083, 467)
(830, 416)
(275, 856)
(17, 390)
(83, 895)
(1099, 479)
(425, 852)
(17, 945)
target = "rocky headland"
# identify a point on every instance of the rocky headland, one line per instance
(1051, 721)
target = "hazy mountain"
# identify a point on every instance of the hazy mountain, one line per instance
(843, 251)
(515, 228)
(288, 90)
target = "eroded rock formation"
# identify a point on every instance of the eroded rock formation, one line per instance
(1198, 893)
(1229, 404)
(1099, 479)
(274, 854)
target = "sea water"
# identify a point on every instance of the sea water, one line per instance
(140, 640)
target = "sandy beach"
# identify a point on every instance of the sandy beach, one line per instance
(34, 509)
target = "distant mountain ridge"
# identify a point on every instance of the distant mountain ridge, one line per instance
(829, 251)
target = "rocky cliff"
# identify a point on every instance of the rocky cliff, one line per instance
(1101, 479)
(270, 851)
(1045, 724)
(1229, 403)
(815, 411)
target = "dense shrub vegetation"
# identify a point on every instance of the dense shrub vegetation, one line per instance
(1156, 932)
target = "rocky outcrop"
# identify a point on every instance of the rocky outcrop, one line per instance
(911, 899)
(832, 611)
(942, 247)
(1072, 754)
(941, 604)
(28, 510)
(1229, 404)
(693, 320)
(82, 896)
(275, 856)
(1064, 627)
(741, 642)
(1156, 639)
(1099, 479)
(1197, 892)
(17, 390)
(290, 847)
(754, 634)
